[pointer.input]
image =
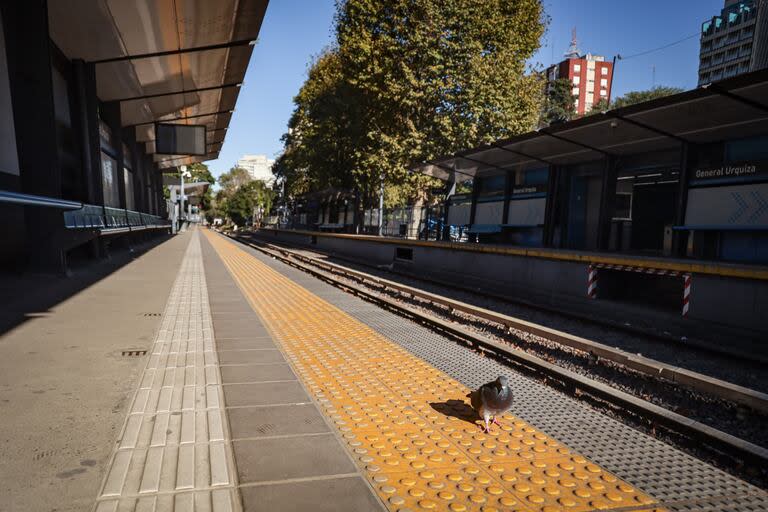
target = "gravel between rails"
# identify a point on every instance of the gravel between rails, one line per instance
(750, 374)
(718, 413)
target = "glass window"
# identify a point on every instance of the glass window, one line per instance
(623, 206)
(109, 181)
(536, 176)
(127, 156)
(575, 91)
(577, 68)
(105, 134)
(576, 80)
(604, 82)
(491, 185)
(128, 178)
(750, 149)
(603, 70)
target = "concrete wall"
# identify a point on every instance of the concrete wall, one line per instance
(739, 302)
(734, 302)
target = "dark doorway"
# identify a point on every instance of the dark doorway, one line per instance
(653, 207)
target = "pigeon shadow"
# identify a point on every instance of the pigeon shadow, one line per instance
(457, 409)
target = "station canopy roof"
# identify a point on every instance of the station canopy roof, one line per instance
(733, 108)
(179, 61)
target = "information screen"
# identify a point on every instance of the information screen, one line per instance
(179, 139)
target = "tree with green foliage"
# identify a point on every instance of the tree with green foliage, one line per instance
(233, 179)
(318, 145)
(559, 104)
(433, 77)
(408, 81)
(634, 97)
(599, 107)
(247, 199)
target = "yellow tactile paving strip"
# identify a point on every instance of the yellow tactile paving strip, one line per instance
(407, 424)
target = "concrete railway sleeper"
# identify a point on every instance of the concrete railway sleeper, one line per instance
(732, 453)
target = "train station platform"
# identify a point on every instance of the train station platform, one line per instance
(264, 388)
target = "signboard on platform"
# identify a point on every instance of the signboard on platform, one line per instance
(737, 206)
(730, 173)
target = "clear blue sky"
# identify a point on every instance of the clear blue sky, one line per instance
(295, 30)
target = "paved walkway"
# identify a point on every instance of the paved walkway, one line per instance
(265, 389)
(317, 324)
(172, 453)
(65, 384)
(406, 424)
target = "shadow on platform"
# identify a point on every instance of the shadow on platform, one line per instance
(26, 296)
(457, 409)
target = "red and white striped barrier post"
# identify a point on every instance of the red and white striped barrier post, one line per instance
(592, 282)
(686, 294)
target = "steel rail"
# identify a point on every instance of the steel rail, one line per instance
(694, 380)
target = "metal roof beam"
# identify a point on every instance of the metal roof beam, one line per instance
(220, 46)
(741, 99)
(649, 128)
(481, 162)
(519, 153)
(443, 167)
(586, 146)
(179, 118)
(174, 93)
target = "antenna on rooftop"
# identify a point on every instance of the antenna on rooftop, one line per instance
(573, 50)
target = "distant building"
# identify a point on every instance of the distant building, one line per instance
(590, 75)
(735, 41)
(258, 166)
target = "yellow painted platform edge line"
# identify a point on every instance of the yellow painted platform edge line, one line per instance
(278, 343)
(242, 255)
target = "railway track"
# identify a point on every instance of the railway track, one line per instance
(728, 451)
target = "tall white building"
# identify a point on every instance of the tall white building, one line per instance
(258, 166)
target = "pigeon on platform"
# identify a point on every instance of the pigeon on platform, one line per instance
(492, 400)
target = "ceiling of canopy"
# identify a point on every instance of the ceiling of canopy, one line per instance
(729, 109)
(176, 61)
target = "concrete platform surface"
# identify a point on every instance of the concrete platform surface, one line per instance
(64, 384)
(263, 388)
(394, 392)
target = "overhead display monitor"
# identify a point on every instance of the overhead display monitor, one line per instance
(179, 139)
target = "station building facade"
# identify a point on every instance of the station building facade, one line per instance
(684, 176)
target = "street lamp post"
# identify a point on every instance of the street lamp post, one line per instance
(613, 72)
(381, 206)
(180, 217)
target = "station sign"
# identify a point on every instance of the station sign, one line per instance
(529, 190)
(730, 173)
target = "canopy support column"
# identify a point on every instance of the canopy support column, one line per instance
(607, 204)
(679, 238)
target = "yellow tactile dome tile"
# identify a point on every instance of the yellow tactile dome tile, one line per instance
(409, 426)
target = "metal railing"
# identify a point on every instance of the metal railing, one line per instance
(108, 218)
(33, 200)
(88, 216)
